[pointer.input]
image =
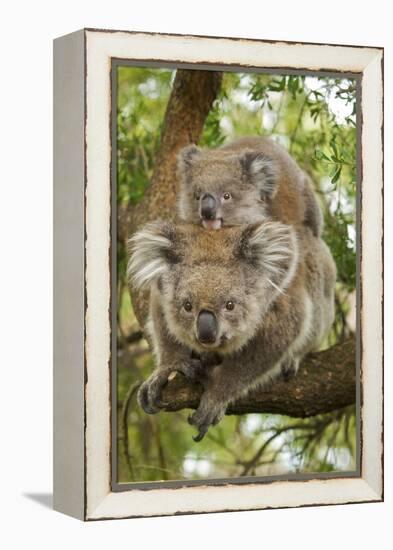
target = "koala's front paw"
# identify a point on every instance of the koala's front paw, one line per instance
(149, 394)
(209, 413)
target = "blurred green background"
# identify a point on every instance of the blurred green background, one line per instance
(314, 118)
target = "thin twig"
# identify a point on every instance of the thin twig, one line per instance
(124, 421)
(160, 449)
(299, 119)
(250, 464)
(223, 445)
(278, 113)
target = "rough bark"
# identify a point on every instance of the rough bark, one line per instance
(326, 381)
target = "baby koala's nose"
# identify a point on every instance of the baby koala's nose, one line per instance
(207, 327)
(208, 207)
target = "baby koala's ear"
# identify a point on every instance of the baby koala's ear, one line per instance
(153, 250)
(185, 158)
(259, 170)
(272, 249)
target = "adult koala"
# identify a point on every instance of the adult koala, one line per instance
(248, 300)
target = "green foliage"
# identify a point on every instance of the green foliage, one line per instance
(314, 118)
(142, 98)
(212, 132)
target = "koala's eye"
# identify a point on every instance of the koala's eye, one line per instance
(226, 196)
(230, 305)
(197, 196)
(187, 306)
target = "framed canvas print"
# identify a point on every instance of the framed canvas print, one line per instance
(218, 292)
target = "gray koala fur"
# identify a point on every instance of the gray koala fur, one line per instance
(279, 281)
(250, 179)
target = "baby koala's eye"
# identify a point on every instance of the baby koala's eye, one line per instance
(226, 196)
(230, 305)
(197, 196)
(187, 306)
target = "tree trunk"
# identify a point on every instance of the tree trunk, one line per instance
(326, 381)
(191, 99)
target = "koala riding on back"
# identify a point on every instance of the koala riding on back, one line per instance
(247, 181)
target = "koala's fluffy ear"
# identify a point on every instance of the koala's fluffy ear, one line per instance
(152, 251)
(271, 248)
(185, 158)
(260, 171)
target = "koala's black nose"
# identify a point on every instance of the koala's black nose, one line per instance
(208, 207)
(207, 327)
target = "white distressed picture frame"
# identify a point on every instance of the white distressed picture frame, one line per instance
(83, 256)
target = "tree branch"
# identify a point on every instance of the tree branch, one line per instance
(326, 381)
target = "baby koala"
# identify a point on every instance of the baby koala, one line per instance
(246, 181)
(257, 297)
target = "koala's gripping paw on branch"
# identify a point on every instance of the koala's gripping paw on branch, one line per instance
(209, 413)
(149, 395)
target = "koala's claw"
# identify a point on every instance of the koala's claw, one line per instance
(201, 434)
(149, 394)
(206, 415)
(143, 399)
